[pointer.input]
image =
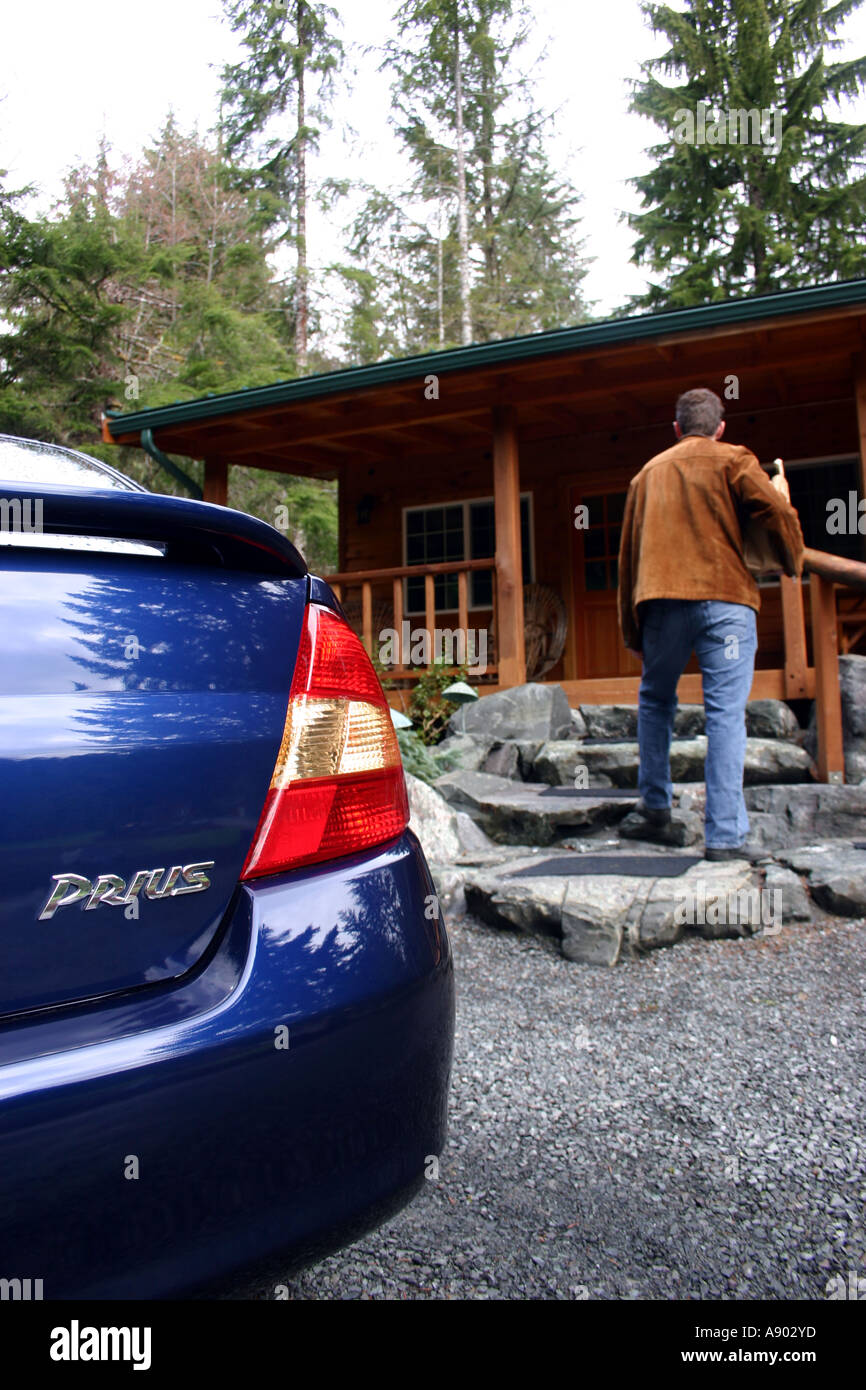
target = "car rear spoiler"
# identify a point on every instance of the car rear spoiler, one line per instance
(195, 532)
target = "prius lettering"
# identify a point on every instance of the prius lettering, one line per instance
(110, 890)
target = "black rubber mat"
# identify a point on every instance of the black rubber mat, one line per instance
(859, 844)
(619, 865)
(633, 794)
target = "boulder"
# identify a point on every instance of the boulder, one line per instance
(472, 838)
(458, 751)
(556, 763)
(689, 721)
(578, 724)
(600, 918)
(720, 900)
(767, 760)
(618, 723)
(612, 722)
(515, 812)
(782, 817)
(855, 768)
(852, 687)
(837, 875)
(774, 760)
(450, 890)
(796, 904)
(771, 719)
(433, 821)
(594, 911)
(528, 905)
(526, 712)
(503, 760)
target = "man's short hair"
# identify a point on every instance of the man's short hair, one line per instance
(699, 412)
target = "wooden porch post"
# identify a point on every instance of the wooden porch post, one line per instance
(794, 630)
(509, 550)
(216, 482)
(828, 698)
(860, 397)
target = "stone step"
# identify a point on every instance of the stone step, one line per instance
(539, 713)
(782, 816)
(571, 762)
(601, 917)
(771, 719)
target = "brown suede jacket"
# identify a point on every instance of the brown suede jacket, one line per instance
(682, 533)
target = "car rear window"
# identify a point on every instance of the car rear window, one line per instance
(31, 461)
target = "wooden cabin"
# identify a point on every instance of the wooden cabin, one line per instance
(462, 475)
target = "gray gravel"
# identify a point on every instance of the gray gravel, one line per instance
(686, 1126)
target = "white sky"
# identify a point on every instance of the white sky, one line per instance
(71, 70)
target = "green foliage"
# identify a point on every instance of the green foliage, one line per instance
(60, 355)
(305, 509)
(727, 219)
(152, 287)
(428, 708)
(526, 264)
(417, 759)
(287, 46)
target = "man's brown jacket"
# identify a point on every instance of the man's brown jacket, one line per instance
(682, 534)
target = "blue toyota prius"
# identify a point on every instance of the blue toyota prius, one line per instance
(226, 992)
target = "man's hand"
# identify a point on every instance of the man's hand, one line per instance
(779, 481)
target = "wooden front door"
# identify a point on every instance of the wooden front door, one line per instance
(599, 646)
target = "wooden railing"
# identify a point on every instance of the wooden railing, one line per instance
(825, 573)
(372, 582)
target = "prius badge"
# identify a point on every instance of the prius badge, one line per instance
(113, 891)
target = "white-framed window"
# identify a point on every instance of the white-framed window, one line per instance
(464, 530)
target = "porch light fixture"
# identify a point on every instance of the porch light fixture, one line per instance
(365, 508)
(460, 693)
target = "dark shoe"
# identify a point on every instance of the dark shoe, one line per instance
(746, 851)
(653, 815)
(650, 823)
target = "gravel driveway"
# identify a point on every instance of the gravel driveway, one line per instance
(686, 1126)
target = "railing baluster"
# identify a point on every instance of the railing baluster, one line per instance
(463, 605)
(367, 615)
(398, 617)
(430, 609)
(828, 699)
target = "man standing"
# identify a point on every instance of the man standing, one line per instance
(684, 586)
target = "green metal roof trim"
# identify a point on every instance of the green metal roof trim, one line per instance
(499, 353)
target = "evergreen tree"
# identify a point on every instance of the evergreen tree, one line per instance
(483, 244)
(286, 45)
(731, 209)
(59, 355)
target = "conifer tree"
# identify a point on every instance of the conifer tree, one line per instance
(759, 184)
(271, 124)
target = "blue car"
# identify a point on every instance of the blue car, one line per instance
(226, 989)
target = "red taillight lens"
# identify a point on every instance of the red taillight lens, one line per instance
(338, 784)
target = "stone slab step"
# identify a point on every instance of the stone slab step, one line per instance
(516, 812)
(599, 919)
(570, 762)
(617, 723)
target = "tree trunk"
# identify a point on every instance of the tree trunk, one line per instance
(302, 298)
(462, 218)
(486, 152)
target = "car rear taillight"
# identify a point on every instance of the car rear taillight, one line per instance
(338, 784)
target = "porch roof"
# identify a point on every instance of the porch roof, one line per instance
(589, 373)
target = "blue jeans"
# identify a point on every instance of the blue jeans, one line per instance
(724, 637)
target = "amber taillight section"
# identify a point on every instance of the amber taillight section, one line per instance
(338, 783)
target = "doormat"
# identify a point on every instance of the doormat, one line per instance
(594, 792)
(618, 865)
